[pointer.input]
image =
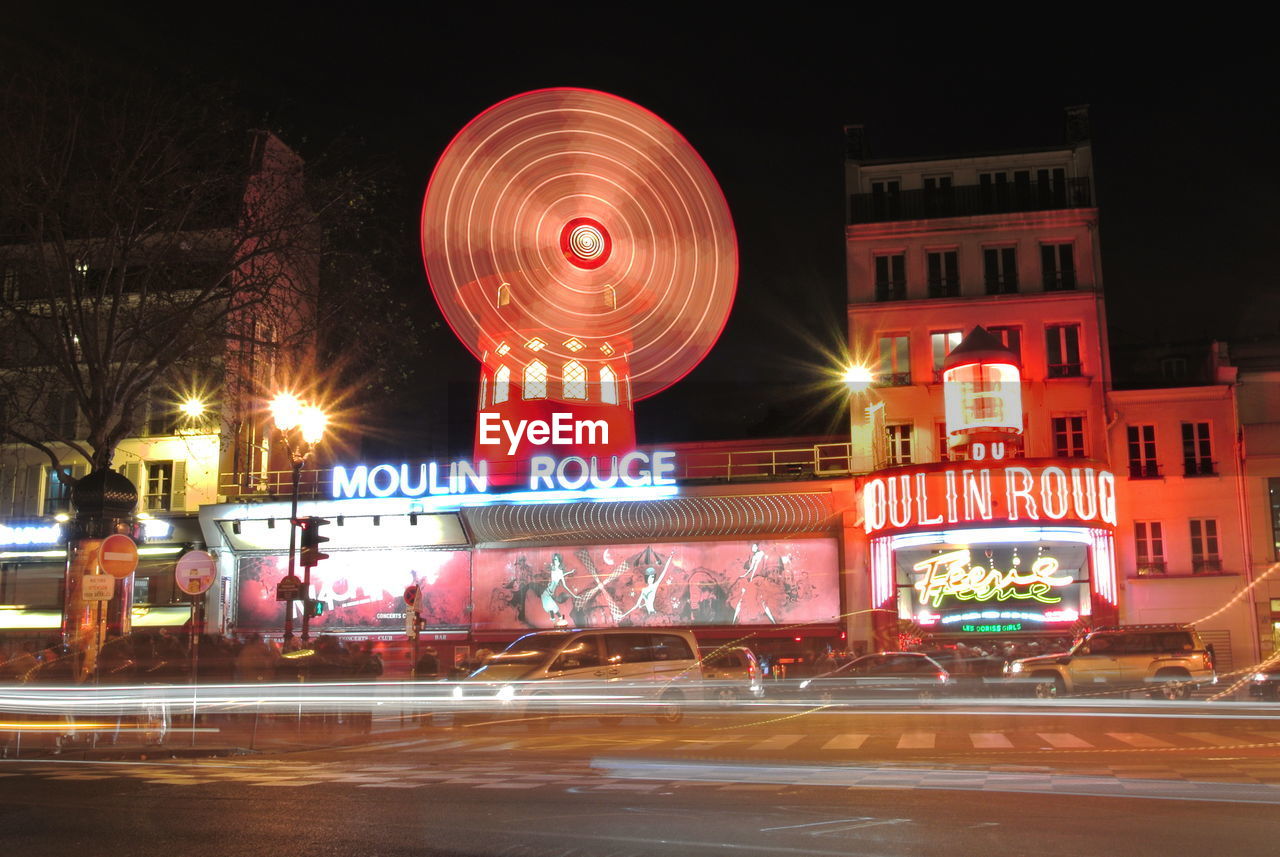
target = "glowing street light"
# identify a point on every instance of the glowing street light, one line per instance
(858, 378)
(192, 408)
(301, 426)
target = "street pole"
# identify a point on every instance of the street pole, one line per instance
(293, 545)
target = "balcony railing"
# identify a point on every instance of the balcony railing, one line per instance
(1065, 370)
(968, 200)
(1206, 565)
(1151, 568)
(892, 290)
(752, 465)
(1144, 470)
(1199, 467)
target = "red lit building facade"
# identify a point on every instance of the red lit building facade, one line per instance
(1009, 241)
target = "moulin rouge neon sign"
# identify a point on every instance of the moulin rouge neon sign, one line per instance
(918, 498)
(951, 575)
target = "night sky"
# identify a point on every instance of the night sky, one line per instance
(1184, 122)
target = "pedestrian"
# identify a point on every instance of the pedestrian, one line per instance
(428, 665)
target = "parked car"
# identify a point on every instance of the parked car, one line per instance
(1266, 683)
(971, 675)
(730, 673)
(885, 676)
(605, 673)
(1165, 660)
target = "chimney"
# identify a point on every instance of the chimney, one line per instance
(856, 148)
(1077, 124)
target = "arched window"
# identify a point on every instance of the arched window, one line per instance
(575, 380)
(608, 386)
(501, 384)
(535, 380)
(504, 294)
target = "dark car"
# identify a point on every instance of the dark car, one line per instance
(1266, 684)
(885, 676)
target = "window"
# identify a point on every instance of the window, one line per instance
(943, 453)
(1068, 437)
(1149, 543)
(899, 435)
(9, 284)
(1062, 344)
(608, 386)
(1204, 546)
(943, 274)
(1142, 453)
(575, 380)
(504, 294)
(57, 494)
(995, 191)
(942, 342)
(1058, 267)
(1273, 492)
(894, 368)
(938, 198)
(158, 496)
(1051, 187)
(162, 417)
(891, 277)
(62, 415)
(1173, 368)
(885, 198)
(1000, 270)
(1010, 337)
(535, 380)
(1197, 453)
(501, 384)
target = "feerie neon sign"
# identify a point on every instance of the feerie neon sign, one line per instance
(950, 575)
(918, 498)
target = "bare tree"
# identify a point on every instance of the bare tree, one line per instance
(147, 242)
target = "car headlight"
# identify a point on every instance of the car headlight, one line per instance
(1015, 668)
(457, 691)
(1259, 676)
(507, 691)
(804, 684)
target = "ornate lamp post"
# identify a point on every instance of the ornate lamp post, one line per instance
(301, 427)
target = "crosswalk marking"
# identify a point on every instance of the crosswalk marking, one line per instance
(777, 742)
(1213, 738)
(1137, 739)
(917, 741)
(848, 741)
(1064, 740)
(990, 741)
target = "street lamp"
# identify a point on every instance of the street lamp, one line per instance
(301, 428)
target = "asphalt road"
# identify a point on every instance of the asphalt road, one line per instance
(1013, 780)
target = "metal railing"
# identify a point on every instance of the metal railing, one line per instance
(737, 465)
(968, 200)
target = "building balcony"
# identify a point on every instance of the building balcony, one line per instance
(1206, 565)
(968, 201)
(1144, 470)
(1066, 370)
(1199, 467)
(1151, 568)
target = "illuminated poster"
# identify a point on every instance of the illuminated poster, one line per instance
(992, 588)
(361, 590)
(657, 584)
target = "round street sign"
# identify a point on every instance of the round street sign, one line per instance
(118, 556)
(195, 572)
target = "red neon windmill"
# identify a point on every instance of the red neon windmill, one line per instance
(582, 250)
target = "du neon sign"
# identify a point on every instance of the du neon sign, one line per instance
(951, 575)
(573, 473)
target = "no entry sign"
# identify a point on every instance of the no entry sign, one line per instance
(118, 556)
(195, 572)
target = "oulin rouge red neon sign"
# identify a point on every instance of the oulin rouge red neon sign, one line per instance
(931, 497)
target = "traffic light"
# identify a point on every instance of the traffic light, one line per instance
(311, 540)
(315, 607)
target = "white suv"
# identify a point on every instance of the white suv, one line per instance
(603, 673)
(1164, 660)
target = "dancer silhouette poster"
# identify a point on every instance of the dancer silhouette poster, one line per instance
(760, 582)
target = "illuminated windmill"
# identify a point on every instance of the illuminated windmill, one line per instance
(982, 392)
(582, 250)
